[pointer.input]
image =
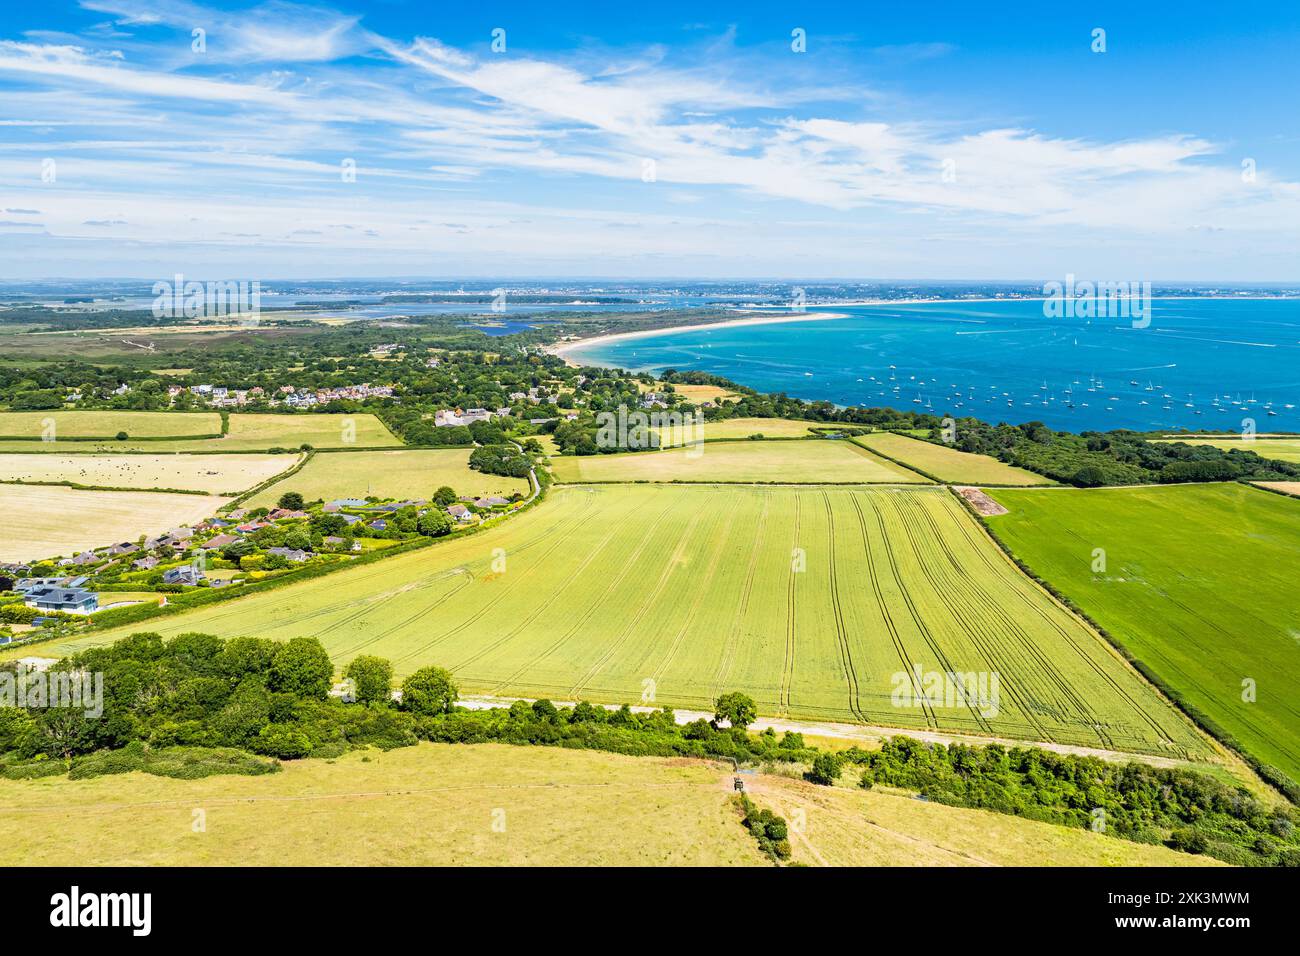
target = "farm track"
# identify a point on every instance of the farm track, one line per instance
(841, 633)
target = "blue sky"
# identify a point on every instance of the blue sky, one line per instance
(921, 140)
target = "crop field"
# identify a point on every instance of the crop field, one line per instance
(800, 462)
(818, 602)
(1199, 583)
(1286, 487)
(1283, 449)
(745, 427)
(388, 474)
(948, 464)
(46, 521)
(248, 432)
(106, 424)
(561, 808)
(212, 474)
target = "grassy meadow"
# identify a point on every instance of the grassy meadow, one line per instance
(211, 474)
(43, 521)
(733, 428)
(1199, 583)
(948, 464)
(497, 805)
(388, 474)
(248, 432)
(817, 602)
(799, 462)
(846, 826)
(1283, 449)
(107, 424)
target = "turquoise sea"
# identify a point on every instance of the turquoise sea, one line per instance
(1200, 363)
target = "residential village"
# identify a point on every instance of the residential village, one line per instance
(234, 549)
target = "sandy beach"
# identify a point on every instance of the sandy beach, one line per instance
(562, 349)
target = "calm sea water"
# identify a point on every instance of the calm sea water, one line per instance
(1200, 364)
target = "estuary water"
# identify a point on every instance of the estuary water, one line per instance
(1200, 363)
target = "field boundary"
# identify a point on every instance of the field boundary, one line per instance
(1047, 483)
(79, 487)
(1272, 776)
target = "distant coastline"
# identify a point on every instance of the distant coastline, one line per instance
(562, 349)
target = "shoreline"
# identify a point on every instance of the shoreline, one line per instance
(562, 349)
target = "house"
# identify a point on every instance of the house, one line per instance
(248, 527)
(379, 524)
(220, 541)
(145, 563)
(334, 541)
(216, 523)
(125, 547)
(186, 575)
(349, 519)
(289, 554)
(460, 512)
(67, 600)
(346, 503)
(24, 585)
(491, 502)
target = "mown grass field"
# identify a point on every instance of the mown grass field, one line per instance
(388, 474)
(852, 827)
(248, 432)
(610, 593)
(1283, 449)
(1199, 583)
(428, 805)
(43, 521)
(803, 462)
(212, 474)
(745, 427)
(948, 464)
(106, 424)
(550, 807)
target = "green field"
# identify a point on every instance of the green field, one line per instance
(800, 462)
(730, 428)
(248, 432)
(106, 424)
(948, 464)
(551, 806)
(1283, 449)
(1200, 584)
(211, 474)
(388, 474)
(811, 600)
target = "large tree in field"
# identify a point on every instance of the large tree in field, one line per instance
(372, 677)
(430, 690)
(302, 668)
(736, 709)
(291, 501)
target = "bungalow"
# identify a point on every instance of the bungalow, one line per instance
(248, 527)
(186, 574)
(220, 541)
(349, 519)
(290, 554)
(145, 563)
(379, 524)
(334, 541)
(491, 502)
(460, 512)
(346, 503)
(67, 600)
(125, 547)
(284, 514)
